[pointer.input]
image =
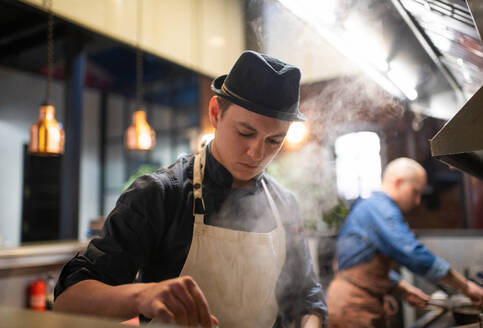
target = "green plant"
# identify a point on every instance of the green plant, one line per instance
(334, 218)
(142, 170)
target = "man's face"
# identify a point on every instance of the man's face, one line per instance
(410, 191)
(245, 142)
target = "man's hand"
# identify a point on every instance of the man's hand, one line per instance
(469, 288)
(416, 297)
(413, 295)
(177, 300)
(475, 293)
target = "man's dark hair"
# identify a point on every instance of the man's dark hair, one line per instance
(223, 104)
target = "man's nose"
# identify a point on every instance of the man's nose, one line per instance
(256, 149)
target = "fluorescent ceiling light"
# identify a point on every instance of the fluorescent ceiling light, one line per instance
(363, 41)
(382, 81)
(402, 81)
(358, 45)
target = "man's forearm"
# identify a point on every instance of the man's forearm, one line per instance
(401, 288)
(96, 298)
(309, 321)
(455, 280)
(467, 287)
(413, 295)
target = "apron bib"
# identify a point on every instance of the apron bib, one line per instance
(236, 270)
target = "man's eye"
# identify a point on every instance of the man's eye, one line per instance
(245, 134)
(274, 141)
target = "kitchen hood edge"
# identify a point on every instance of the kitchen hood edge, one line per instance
(459, 142)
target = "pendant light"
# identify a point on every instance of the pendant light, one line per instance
(139, 135)
(47, 135)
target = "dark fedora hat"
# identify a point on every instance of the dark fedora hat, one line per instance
(262, 84)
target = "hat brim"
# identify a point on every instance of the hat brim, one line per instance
(293, 115)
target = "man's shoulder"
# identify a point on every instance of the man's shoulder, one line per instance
(165, 179)
(278, 189)
(178, 171)
(376, 205)
(284, 199)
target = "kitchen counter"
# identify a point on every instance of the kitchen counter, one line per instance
(40, 254)
(12, 317)
(20, 318)
(20, 266)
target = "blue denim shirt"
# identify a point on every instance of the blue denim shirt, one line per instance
(376, 225)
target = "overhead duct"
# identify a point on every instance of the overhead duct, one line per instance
(385, 40)
(476, 8)
(460, 142)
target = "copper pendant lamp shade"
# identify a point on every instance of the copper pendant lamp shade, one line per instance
(139, 135)
(46, 135)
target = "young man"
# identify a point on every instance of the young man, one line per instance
(213, 238)
(373, 235)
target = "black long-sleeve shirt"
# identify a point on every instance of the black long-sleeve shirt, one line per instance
(150, 231)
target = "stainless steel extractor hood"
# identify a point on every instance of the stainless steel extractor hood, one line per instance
(427, 52)
(476, 8)
(460, 142)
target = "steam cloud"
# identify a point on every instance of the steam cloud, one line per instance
(332, 107)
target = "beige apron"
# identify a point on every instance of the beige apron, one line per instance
(236, 270)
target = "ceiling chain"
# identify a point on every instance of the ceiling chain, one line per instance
(50, 50)
(139, 58)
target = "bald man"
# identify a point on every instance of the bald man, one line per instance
(375, 234)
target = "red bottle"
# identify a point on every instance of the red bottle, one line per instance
(37, 295)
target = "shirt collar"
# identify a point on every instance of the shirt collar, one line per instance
(220, 175)
(382, 194)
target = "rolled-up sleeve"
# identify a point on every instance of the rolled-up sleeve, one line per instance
(124, 247)
(394, 278)
(392, 237)
(438, 270)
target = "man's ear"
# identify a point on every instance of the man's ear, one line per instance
(214, 111)
(398, 181)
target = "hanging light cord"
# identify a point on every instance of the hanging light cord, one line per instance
(139, 58)
(50, 50)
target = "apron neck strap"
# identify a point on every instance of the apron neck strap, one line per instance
(198, 173)
(199, 203)
(274, 208)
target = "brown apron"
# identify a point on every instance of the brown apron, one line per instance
(357, 297)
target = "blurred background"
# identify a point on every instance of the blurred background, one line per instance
(129, 84)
